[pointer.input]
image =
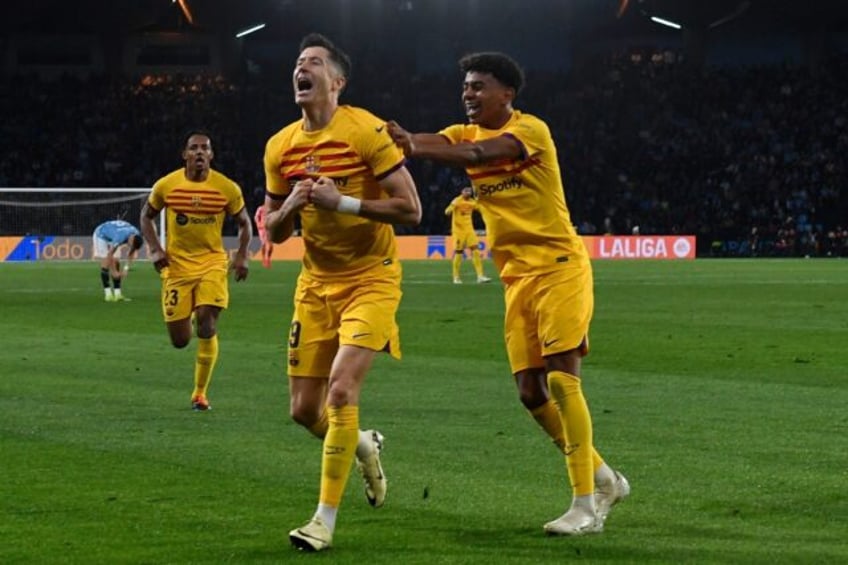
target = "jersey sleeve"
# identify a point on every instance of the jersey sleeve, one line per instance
(235, 202)
(275, 184)
(377, 148)
(157, 195)
(531, 134)
(453, 133)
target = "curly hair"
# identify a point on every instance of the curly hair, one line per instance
(501, 66)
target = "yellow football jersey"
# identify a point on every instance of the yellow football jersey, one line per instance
(522, 201)
(355, 150)
(461, 210)
(194, 217)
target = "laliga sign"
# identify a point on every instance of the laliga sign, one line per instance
(642, 247)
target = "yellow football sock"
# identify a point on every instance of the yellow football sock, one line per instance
(319, 428)
(204, 363)
(577, 425)
(477, 262)
(597, 460)
(457, 261)
(547, 416)
(339, 451)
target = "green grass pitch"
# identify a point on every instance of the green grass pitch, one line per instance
(720, 388)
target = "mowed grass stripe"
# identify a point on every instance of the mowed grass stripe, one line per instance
(722, 399)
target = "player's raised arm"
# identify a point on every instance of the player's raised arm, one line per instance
(438, 148)
(408, 141)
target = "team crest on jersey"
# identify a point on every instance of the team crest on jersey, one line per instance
(196, 201)
(313, 164)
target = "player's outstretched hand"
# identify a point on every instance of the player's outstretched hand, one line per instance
(401, 137)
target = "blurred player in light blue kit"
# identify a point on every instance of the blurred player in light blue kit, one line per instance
(109, 240)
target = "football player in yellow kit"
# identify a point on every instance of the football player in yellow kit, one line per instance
(338, 169)
(194, 264)
(511, 160)
(461, 210)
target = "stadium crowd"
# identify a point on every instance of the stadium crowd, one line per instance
(748, 159)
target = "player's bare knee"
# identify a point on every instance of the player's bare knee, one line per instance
(532, 391)
(206, 332)
(300, 417)
(531, 399)
(306, 416)
(340, 395)
(180, 342)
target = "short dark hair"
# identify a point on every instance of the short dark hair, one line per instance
(337, 56)
(501, 66)
(136, 242)
(197, 131)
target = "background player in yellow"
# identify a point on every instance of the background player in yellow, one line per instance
(338, 169)
(461, 209)
(194, 265)
(511, 160)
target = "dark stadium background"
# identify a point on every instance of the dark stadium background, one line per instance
(733, 129)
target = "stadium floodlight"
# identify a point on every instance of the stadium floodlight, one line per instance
(186, 11)
(244, 32)
(665, 22)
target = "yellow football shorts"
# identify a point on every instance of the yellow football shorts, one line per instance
(327, 314)
(181, 295)
(464, 239)
(546, 314)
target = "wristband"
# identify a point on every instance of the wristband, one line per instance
(349, 205)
